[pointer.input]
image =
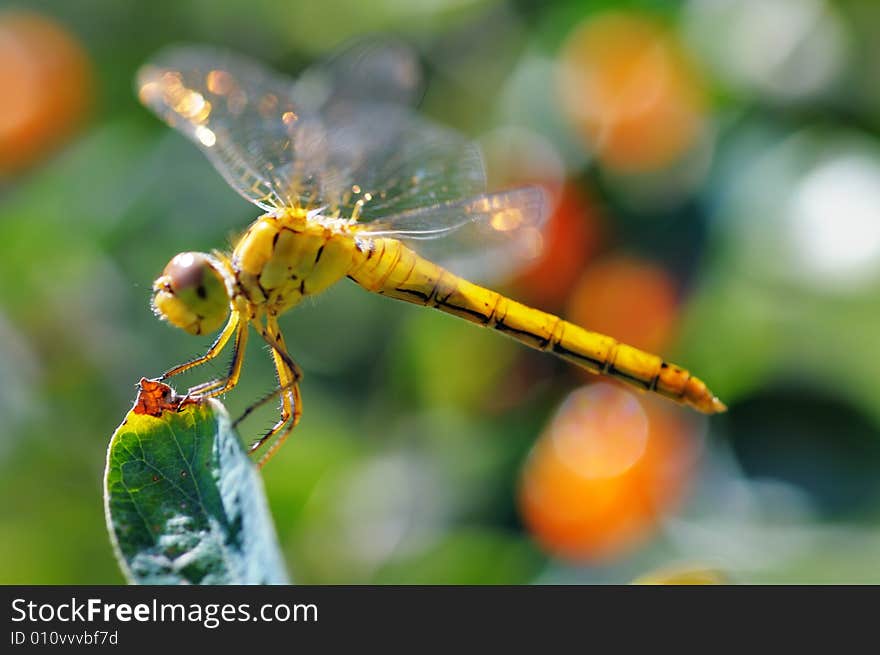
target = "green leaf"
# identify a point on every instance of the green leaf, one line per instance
(184, 503)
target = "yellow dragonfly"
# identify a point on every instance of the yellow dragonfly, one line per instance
(354, 183)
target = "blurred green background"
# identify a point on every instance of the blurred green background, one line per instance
(716, 168)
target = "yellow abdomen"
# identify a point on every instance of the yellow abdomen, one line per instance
(389, 268)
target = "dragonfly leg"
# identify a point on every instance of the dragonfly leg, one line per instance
(215, 349)
(269, 397)
(279, 432)
(221, 385)
(271, 334)
(289, 375)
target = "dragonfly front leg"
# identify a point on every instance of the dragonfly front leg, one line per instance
(289, 375)
(215, 349)
(221, 385)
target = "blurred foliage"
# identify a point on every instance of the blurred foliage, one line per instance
(761, 219)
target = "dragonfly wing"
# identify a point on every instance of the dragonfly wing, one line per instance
(326, 141)
(385, 71)
(235, 110)
(387, 160)
(485, 237)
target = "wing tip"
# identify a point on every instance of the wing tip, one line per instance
(544, 201)
(538, 199)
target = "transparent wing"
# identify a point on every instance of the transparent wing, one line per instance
(338, 138)
(232, 108)
(487, 236)
(367, 70)
(377, 160)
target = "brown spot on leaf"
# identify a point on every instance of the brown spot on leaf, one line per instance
(155, 397)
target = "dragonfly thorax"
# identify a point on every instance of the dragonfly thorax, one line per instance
(191, 293)
(283, 258)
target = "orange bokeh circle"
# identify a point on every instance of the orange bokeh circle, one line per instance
(45, 82)
(605, 471)
(630, 91)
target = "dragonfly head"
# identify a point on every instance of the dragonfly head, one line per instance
(191, 293)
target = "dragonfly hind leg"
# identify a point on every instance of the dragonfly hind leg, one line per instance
(289, 375)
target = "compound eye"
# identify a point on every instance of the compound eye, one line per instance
(191, 294)
(187, 272)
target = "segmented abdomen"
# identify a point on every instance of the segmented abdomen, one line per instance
(390, 268)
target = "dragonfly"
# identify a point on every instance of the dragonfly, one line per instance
(353, 182)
